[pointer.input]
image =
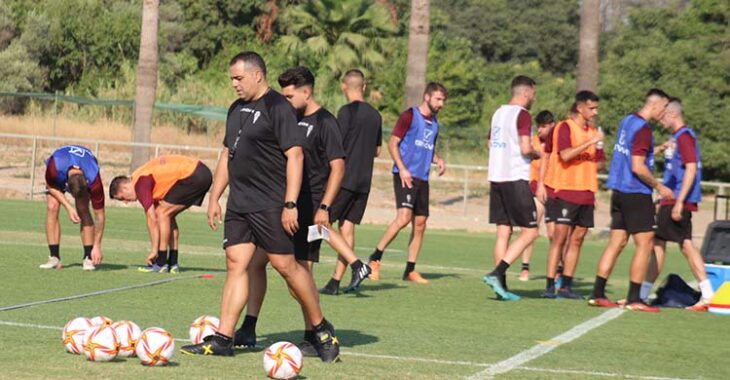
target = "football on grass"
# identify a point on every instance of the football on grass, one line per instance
(203, 326)
(282, 360)
(155, 347)
(101, 344)
(73, 334)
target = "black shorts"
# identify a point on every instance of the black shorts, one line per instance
(511, 203)
(307, 205)
(348, 205)
(669, 229)
(551, 204)
(572, 214)
(633, 212)
(415, 198)
(262, 228)
(191, 191)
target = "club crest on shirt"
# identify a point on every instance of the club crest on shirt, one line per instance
(309, 127)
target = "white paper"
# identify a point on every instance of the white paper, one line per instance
(318, 232)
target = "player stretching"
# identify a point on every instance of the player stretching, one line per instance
(361, 130)
(165, 186)
(573, 160)
(263, 163)
(324, 167)
(510, 200)
(632, 209)
(682, 174)
(413, 149)
(73, 168)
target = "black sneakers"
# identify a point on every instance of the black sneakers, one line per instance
(327, 345)
(330, 289)
(307, 348)
(212, 345)
(358, 276)
(244, 338)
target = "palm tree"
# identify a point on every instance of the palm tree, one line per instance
(144, 100)
(332, 36)
(417, 52)
(590, 29)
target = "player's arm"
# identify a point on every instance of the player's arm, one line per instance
(58, 195)
(337, 172)
(99, 223)
(439, 163)
(154, 232)
(220, 182)
(639, 168)
(527, 149)
(568, 154)
(541, 192)
(393, 148)
(294, 173)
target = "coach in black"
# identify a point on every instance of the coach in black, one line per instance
(262, 162)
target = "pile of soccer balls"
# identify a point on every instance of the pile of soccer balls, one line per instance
(102, 340)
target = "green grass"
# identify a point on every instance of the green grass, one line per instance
(423, 330)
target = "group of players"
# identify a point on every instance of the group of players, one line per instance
(293, 169)
(555, 174)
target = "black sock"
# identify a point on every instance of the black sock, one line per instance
(634, 291)
(87, 251)
(503, 281)
(172, 259)
(560, 270)
(500, 269)
(356, 265)
(599, 287)
(249, 322)
(525, 266)
(410, 267)
(161, 258)
(227, 339)
(567, 282)
(310, 336)
(333, 284)
(322, 325)
(550, 283)
(55, 250)
(377, 255)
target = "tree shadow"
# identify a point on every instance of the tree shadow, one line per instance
(101, 267)
(437, 276)
(347, 338)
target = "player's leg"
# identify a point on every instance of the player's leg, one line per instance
(644, 243)
(347, 229)
(53, 232)
(617, 240)
(560, 235)
(402, 218)
(527, 254)
(654, 269)
(360, 271)
(87, 229)
(414, 248)
(234, 298)
(697, 265)
(257, 284)
(165, 211)
(174, 246)
(575, 243)
(309, 342)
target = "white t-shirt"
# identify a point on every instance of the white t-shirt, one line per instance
(506, 162)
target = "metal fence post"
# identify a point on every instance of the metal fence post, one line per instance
(157, 150)
(96, 150)
(55, 111)
(32, 167)
(466, 189)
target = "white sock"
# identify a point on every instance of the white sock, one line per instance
(645, 289)
(706, 289)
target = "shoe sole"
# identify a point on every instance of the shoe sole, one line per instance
(195, 354)
(493, 282)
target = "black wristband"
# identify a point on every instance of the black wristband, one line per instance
(324, 207)
(290, 205)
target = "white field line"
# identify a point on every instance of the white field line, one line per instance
(415, 359)
(600, 374)
(543, 348)
(97, 293)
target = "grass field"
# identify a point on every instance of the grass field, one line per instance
(452, 328)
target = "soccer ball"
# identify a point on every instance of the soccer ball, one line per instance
(155, 347)
(101, 344)
(282, 360)
(203, 326)
(73, 334)
(128, 334)
(101, 320)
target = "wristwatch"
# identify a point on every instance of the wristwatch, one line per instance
(324, 207)
(290, 205)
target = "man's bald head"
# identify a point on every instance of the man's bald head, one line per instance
(354, 80)
(675, 107)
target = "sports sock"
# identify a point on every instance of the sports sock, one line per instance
(249, 322)
(599, 287)
(322, 325)
(503, 281)
(550, 283)
(645, 289)
(225, 338)
(525, 266)
(633, 296)
(55, 250)
(567, 282)
(333, 284)
(560, 269)
(500, 269)
(87, 251)
(410, 267)
(310, 336)
(377, 255)
(172, 258)
(161, 258)
(706, 289)
(356, 265)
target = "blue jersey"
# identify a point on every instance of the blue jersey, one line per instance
(417, 146)
(69, 156)
(674, 170)
(620, 175)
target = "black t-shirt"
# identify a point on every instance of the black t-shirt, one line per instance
(257, 171)
(323, 143)
(362, 132)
